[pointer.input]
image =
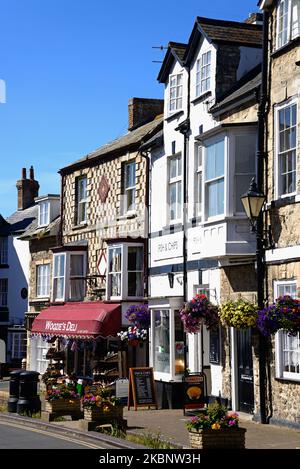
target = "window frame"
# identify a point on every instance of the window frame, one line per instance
(200, 78)
(3, 292)
(126, 208)
(66, 276)
(290, 35)
(3, 250)
(124, 272)
(279, 339)
(42, 285)
(207, 182)
(278, 174)
(21, 336)
(198, 193)
(81, 201)
(44, 213)
(178, 98)
(175, 181)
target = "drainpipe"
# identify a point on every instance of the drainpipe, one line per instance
(260, 252)
(60, 232)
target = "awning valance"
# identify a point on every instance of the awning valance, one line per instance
(83, 320)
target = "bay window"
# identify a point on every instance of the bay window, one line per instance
(175, 187)
(287, 348)
(43, 280)
(176, 86)
(214, 179)
(288, 21)
(125, 276)
(286, 143)
(245, 152)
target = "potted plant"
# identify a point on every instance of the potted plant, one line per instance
(240, 314)
(197, 312)
(62, 398)
(284, 314)
(216, 428)
(101, 406)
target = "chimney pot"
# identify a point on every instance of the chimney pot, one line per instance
(23, 173)
(31, 173)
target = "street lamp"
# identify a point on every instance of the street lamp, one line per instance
(253, 202)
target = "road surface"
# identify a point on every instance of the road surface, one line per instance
(14, 436)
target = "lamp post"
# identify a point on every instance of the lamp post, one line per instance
(253, 202)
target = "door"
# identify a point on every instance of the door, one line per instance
(245, 371)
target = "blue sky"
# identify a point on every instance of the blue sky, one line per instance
(70, 67)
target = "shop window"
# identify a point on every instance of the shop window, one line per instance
(162, 341)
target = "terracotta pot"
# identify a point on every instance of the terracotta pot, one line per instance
(225, 438)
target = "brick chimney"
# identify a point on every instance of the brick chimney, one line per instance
(143, 110)
(28, 189)
(255, 18)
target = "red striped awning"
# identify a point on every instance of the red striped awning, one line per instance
(81, 320)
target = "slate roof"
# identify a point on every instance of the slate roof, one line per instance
(23, 220)
(35, 232)
(132, 138)
(244, 87)
(231, 31)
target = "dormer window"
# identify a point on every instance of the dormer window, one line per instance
(288, 21)
(175, 103)
(203, 74)
(44, 213)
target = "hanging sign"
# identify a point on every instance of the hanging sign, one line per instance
(141, 388)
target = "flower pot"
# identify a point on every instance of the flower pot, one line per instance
(62, 405)
(224, 438)
(98, 414)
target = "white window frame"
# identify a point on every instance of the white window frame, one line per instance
(3, 292)
(20, 336)
(206, 183)
(81, 201)
(290, 32)
(202, 79)
(124, 272)
(130, 188)
(43, 280)
(198, 207)
(66, 276)
(3, 250)
(76, 277)
(44, 213)
(175, 181)
(177, 88)
(278, 175)
(279, 337)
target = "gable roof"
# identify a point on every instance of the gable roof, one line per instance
(176, 51)
(22, 220)
(246, 87)
(231, 32)
(130, 140)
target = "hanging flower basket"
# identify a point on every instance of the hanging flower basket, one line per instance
(139, 315)
(284, 314)
(240, 314)
(197, 312)
(133, 335)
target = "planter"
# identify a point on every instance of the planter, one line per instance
(97, 414)
(225, 438)
(62, 405)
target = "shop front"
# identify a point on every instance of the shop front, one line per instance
(167, 350)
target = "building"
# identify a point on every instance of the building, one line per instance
(14, 271)
(100, 263)
(199, 235)
(282, 191)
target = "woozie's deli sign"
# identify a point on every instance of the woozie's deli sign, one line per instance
(61, 326)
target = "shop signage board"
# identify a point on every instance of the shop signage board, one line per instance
(122, 390)
(141, 388)
(195, 393)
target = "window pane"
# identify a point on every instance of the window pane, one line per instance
(135, 258)
(215, 198)
(76, 265)
(115, 259)
(161, 341)
(215, 160)
(115, 289)
(135, 284)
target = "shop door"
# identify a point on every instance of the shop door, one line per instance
(245, 371)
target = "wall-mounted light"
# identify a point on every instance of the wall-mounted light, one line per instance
(171, 278)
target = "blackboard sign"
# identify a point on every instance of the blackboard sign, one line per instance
(141, 392)
(214, 346)
(194, 391)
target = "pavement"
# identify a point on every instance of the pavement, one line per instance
(170, 425)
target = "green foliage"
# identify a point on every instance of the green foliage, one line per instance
(150, 440)
(240, 314)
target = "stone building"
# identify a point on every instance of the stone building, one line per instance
(282, 190)
(100, 263)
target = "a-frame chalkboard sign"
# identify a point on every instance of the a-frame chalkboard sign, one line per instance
(141, 392)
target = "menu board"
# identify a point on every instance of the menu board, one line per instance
(194, 391)
(141, 391)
